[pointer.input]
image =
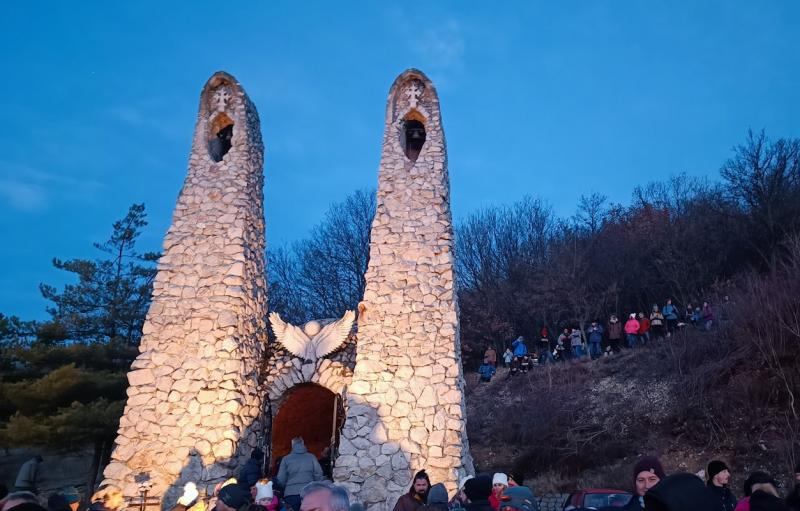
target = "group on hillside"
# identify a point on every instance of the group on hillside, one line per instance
(597, 340)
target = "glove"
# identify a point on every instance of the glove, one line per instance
(190, 494)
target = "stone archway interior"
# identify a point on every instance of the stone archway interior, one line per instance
(308, 412)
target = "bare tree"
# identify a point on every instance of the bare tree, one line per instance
(323, 275)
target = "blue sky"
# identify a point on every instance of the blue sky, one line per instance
(551, 99)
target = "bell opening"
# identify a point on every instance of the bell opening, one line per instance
(220, 137)
(413, 138)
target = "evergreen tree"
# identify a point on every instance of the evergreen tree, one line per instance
(110, 300)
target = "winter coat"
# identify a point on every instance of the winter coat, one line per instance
(486, 371)
(409, 502)
(681, 492)
(520, 349)
(708, 313)
(726, 500)
(793, 499)
(644, 326)
(26, 478)
(437, 499)
(596, 333)
(494, 502)
(635, 504)
(615, 330)
(632, 327)
(656, 319)
(297, 469)
(743, 505)
(575, 338)
(669, 311)
(508, 356)
(250, 473)
(763, 501)
(478, 505)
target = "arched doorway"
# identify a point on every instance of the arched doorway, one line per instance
(310, 411)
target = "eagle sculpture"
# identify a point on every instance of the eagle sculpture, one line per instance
(312, 342)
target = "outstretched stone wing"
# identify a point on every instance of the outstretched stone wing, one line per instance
(333, 335)
(291, 337)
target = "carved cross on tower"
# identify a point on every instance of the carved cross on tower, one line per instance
(413, 92)
(220, 99)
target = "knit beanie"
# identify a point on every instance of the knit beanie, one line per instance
(648, 464)
(264, 490)
(714, 468)
(478, 488)
(500, 478)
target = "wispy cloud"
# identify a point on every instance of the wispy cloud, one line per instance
(440, 45)
(30, 190)
(25, 197)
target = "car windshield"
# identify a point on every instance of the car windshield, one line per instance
(606, 499)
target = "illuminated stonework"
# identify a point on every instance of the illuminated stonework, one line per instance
(405, 405)
(204, 391)
(193, 398)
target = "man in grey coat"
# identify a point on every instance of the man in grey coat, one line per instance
(297, 469)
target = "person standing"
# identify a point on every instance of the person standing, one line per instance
(657, 323)
(644, 329)
(707, 316)
(670, 313)
(576, 342)
(718, 476)
(417, 495)
(491, 355)
(508, 356)
(563, 343)
(27, 475)
(296, 470)
(499, 483)
(647, 473)
(595, 339)
(614, 333)
(631, 331)
(519, 347)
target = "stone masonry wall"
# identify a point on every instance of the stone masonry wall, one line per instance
(406, 402)
(193, 402)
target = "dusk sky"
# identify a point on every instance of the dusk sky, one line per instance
(549, 99)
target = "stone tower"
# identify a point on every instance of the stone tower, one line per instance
(193, 405)
(406, 403)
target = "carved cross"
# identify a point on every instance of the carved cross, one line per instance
(413, 92)
(220, 99)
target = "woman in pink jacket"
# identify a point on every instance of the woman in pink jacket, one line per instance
(632, 330)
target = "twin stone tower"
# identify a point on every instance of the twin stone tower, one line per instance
(208, 387)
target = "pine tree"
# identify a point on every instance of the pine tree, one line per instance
(110, 300)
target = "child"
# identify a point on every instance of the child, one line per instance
(265, 496)
(486, 370)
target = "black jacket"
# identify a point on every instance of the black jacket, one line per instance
(478, 505)
(793, 499)
(724, 496)
(681, 492)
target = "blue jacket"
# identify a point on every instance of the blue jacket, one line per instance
(519, 347)
(669, 311)
(486, 371)
(596, 334)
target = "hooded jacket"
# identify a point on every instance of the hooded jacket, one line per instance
(614, 330)
(297, 469)
(727, 502)
(681, 492)
(437, 498)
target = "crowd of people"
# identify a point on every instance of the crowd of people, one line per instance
(301, 486)
(596, 339)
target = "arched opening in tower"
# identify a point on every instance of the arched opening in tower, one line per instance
(220, 136)
(414, 138)
(314, 413)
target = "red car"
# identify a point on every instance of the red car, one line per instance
(594, 498)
